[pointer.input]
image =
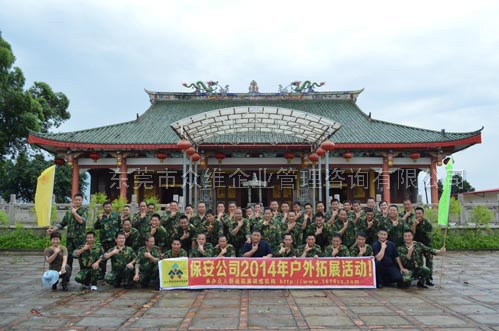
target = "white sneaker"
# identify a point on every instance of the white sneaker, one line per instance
(93, 288)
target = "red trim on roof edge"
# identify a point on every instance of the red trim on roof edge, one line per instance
(128, 147)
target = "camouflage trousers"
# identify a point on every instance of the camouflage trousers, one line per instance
(87, 276)
(71, 245)
(106, 245)
(117, 276)
(148, 275)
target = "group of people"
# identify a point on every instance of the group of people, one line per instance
(399, 242)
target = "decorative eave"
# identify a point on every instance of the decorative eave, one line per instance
(193, 96)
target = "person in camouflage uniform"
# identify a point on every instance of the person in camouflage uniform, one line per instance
(122, 263)
(171, 218)
(370, 226)
(176, 251)
(336, 249)
(223, 217)
(212, 227)
(202, 249)
(322, 232)
(200, 217)
(292, 227)
(186, 233)
(395, 226)
(132, 235)
(346, 228)
(109, 225)
(382, 216)
(411, 254)
(422, 230)
(310, 249)
(331, 216)
(224, 249)
(146, 263)
(239, 232)
(408, 215)
(89, 257)
(76, 221)
(270, 229)
(306, 222)
(252, 219)
(141, 221)
(287, 247)
(360, 248)
(358, 214)
(161, 238)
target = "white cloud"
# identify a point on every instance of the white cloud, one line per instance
(427, 64)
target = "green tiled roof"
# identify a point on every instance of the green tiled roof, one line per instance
(153, 127)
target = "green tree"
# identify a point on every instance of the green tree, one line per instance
(459, 185)
(21, 176)
(37, 109)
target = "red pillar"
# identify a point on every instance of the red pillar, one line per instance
(75, 188)
(434, 183)
(386, 180)
(124, 179)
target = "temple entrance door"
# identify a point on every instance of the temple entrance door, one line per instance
(255, 196)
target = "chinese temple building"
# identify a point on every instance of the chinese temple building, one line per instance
(214, 146)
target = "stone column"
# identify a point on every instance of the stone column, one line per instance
(124, 179)
(386, 180)
(434, 183)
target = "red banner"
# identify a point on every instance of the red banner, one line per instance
(259, 273)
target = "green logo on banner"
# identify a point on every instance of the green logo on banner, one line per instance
(175, 271)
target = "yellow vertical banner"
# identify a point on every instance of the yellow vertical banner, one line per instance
(174, 273)
(43, 196)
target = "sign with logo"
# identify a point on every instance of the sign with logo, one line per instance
(259, 273)
(173, 273)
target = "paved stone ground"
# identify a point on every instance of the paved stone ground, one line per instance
(467, 300)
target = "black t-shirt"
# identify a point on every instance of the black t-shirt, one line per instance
(391, 253)
(263, 249)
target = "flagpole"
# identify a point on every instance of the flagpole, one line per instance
(442, 262)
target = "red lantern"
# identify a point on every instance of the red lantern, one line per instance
(415, 156)
(184, 144)
(195, 157)
(161, 156)
(348, 156)
(321, 152)
(220, 157)
(190, 151)
(59, 161)
(94, 156)
(289, 157)
(328, 146)
(314, 158)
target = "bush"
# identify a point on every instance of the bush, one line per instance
(4, 218)
(22, 238)
(481, 216)
(119, 204)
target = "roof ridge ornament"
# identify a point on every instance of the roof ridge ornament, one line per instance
(305, 87)
(253, 87)
(210, 87)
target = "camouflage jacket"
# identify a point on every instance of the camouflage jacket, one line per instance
(170, 254)
(142, 262)
(417, 258)
(109, 226)
(208, 249)
(355, 250)
(87, 258)
(343, 251)
(212, 233)
(350, 233)
(75, 230)
(231, 251)
(315, 251)
(120, 260)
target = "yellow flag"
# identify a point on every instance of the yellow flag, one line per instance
(43, 196)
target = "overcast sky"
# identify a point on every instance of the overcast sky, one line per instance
(429, 64)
